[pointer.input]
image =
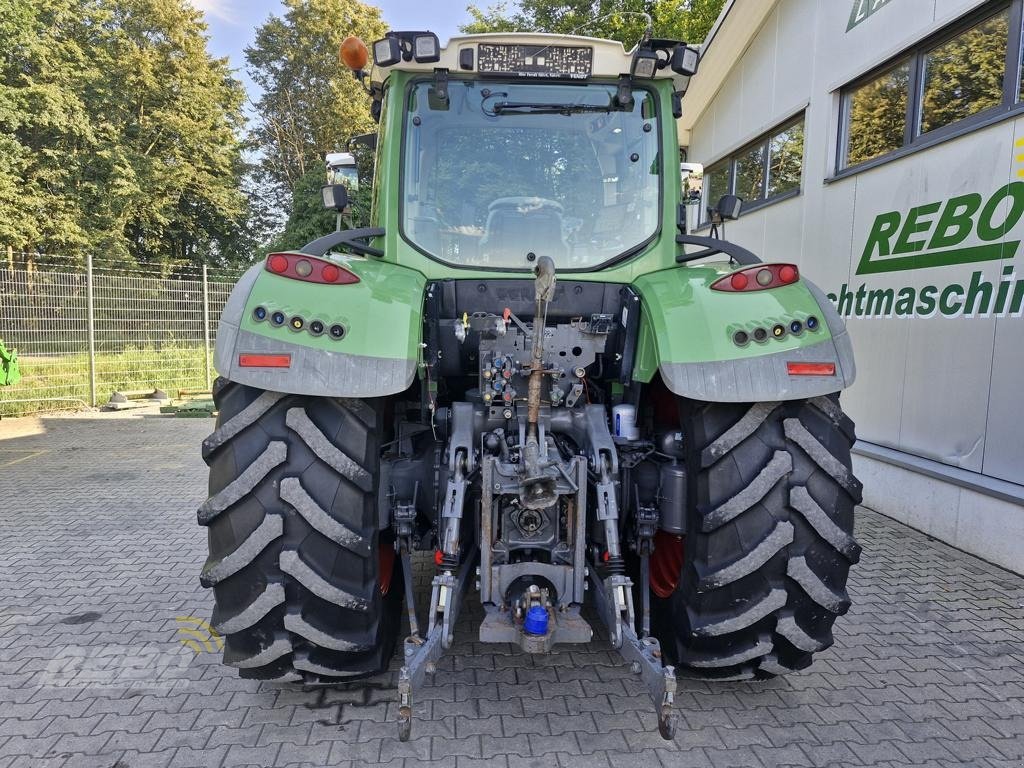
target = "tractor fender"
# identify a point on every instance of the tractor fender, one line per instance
(377, 355)
(687, 333)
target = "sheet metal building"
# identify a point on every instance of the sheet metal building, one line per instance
(879, 144)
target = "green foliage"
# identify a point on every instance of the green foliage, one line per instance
(307, 219)
(688, 20)
(118, 133)
(310, 103)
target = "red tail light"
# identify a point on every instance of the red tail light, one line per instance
(811, 369)
(298, 266)
(758, 278)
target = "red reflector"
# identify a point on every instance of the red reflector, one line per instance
(278, 263)
(739, 281)
(438, 557)
(788, 273)
(387, 566)
(264, 361)
(666, 563)
(330, 273)
(811, 369)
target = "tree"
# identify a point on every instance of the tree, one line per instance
(120, 132)
(688, 20)
(310, 103)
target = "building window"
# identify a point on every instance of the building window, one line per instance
(964, 75)
(876, 115)
(714, 185)
(959, 75)
(764, 170)
(785, 160)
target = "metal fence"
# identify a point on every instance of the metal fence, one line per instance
(83, 331)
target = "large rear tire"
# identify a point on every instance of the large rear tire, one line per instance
(306, 585)
(769, 538)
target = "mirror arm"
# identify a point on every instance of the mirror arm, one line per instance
(711, 246)
(350, 238)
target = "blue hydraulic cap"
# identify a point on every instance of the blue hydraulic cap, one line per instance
(536, 621)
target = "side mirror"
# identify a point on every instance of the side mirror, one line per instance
(335, 197)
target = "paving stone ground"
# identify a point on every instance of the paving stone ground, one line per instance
(100, 553)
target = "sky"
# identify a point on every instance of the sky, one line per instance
(232, 23)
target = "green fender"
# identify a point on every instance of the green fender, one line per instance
(378, 354)
(687, 334)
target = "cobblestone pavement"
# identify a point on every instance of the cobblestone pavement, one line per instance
(101, 553)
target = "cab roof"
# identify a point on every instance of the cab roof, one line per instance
(461, 55)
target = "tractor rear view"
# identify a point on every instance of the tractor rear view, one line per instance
(528, 368)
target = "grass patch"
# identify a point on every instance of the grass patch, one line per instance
(54, 382)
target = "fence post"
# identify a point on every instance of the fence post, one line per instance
(206, 327)
(92, 329)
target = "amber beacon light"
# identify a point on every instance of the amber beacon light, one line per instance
(353, 53)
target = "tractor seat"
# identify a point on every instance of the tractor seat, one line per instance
(518, 225)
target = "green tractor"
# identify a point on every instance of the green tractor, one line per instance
(529, 368)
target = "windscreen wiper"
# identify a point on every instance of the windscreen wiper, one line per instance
(541, 108)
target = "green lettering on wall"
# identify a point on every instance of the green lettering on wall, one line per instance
(886, 225)
(862, 9)
(915, 226)
(969, 255)
(926, 305)
(956, 221)
(987, 229)
(880, 302)
(945, 307)
(905, 302)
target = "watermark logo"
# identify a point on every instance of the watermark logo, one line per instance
(197, 635)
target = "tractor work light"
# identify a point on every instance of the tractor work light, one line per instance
(299, 266)
(423, 47)
(387, 52)
(426, 48)
(684, 60)
(758, 278)
(645, 63)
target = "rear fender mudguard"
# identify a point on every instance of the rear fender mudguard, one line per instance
(687, 334)
(378, 354)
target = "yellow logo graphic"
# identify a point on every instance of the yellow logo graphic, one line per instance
(196, 634)
(1019, 144)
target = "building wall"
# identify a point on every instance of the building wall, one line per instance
(947, 387)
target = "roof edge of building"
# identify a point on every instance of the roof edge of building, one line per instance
(730, 35)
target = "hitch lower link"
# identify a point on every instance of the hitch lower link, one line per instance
(420, 653)
(614, 599)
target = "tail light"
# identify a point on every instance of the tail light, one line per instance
(758, 278)
(298, 266)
